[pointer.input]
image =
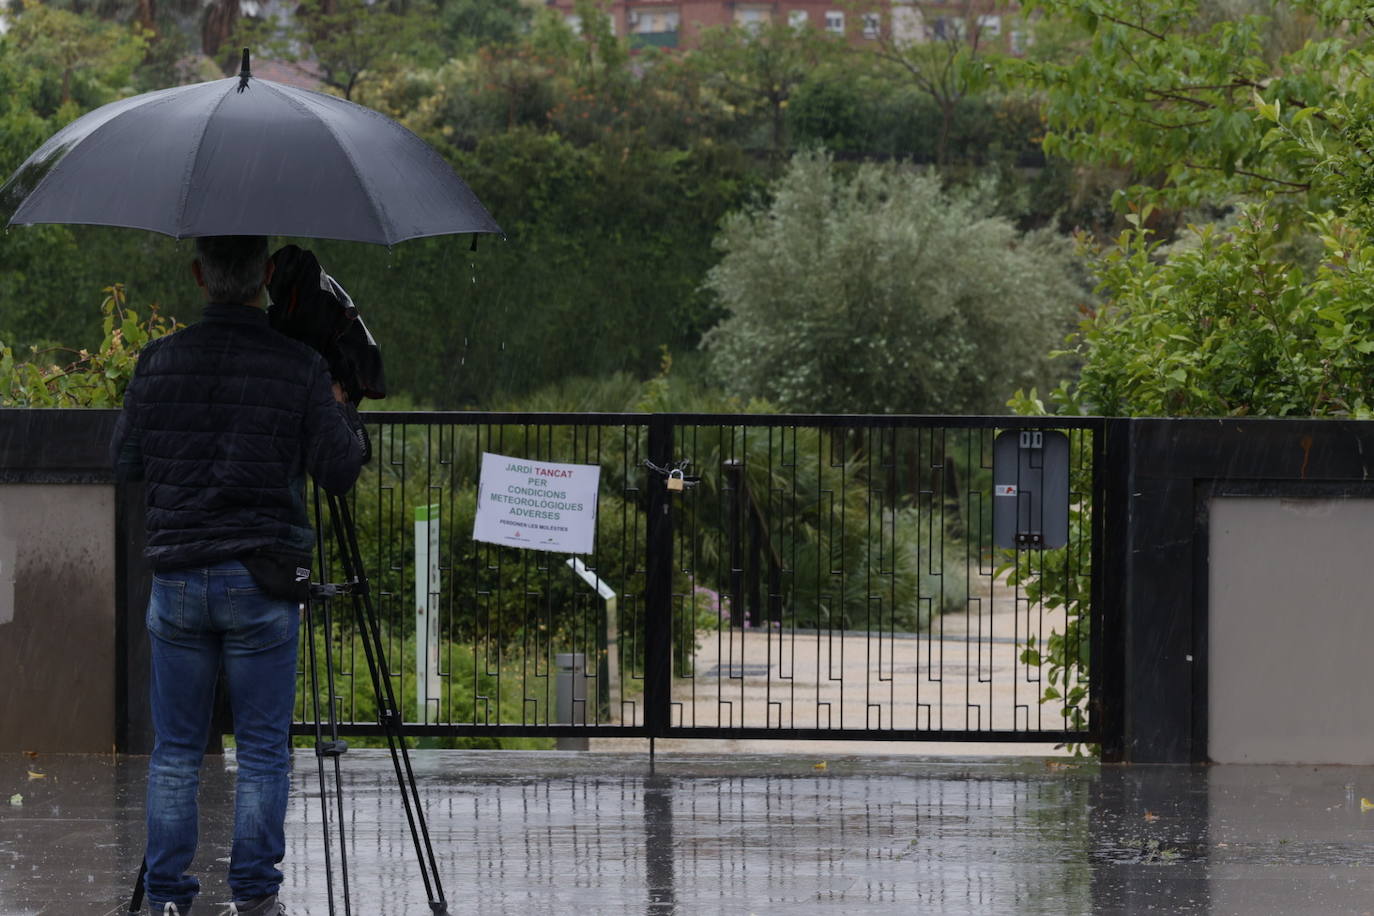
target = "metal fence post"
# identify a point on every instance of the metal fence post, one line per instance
(1111, 506)
(740, 597)
(658, 585)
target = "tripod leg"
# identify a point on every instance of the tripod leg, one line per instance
(136, 900)
(389, 712)
(324, 749)
(333, 747)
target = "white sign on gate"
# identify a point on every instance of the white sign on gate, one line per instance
(537, 505)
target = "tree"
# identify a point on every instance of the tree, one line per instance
(883, 292)
(1181, 95)
(758, 69)
(172, 31)
(597, 58)
(54, 66)
(351, 42)
(948, 65)
(1265, 313)
(467, 25)
(218, 24)
(580, 83)
(82, 61)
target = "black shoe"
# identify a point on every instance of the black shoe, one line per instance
(258, 906)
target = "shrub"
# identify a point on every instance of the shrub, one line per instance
(884, 293)
(92, 379)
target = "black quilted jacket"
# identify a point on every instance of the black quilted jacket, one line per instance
(223, 419)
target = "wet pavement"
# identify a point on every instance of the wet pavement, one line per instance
(549, 832)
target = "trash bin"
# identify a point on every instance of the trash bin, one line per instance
(570, 703)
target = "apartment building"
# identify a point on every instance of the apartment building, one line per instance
(678, 23)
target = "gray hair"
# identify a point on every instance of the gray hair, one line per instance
(232, 266)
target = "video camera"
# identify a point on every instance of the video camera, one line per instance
(311, 306)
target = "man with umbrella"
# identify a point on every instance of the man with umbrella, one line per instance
(223, 417)
(223, 420)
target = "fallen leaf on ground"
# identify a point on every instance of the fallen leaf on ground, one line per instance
(32, 755)
(34, 775)
(16, 799)
(1366, 804)
(1151, 816)
(820, 766)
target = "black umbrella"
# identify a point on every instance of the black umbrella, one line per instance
(244, 156)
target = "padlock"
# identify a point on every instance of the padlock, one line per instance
(676, 483)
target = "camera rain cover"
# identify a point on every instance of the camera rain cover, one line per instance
(312, 307)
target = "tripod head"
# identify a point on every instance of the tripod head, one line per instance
(312, 307)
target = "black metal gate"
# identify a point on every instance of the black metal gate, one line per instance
(814, 577)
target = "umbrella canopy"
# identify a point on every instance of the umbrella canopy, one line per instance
(244, 156)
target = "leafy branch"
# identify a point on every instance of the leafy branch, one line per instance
(92, 379)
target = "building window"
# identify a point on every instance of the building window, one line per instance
(574, 22)
(908, 25)
(872, 22)
(990, 26)
(752, 18)
(653, 21)
(796, 18)
(834, 21)
(949, 28)
(1018, 41)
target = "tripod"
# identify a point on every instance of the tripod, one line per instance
(328, 744)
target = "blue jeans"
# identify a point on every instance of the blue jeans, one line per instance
(198, 620)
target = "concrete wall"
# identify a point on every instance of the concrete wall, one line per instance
(1311, 572)
(1291, 631)
(57, 617)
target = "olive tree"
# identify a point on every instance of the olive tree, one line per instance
(880, 291)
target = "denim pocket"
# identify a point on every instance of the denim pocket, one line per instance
(259, 620)
(167, 609)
